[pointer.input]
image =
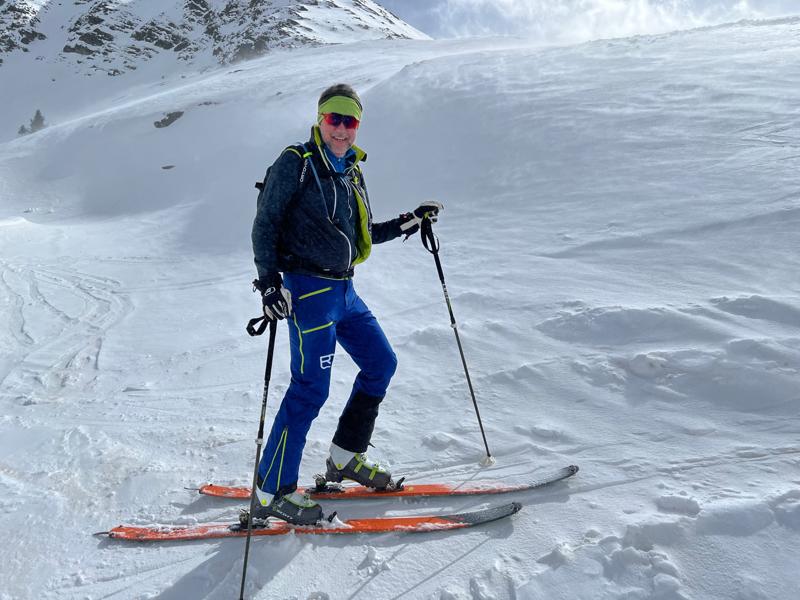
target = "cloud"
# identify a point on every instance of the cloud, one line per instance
(566, 21)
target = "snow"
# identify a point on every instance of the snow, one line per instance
(620, 246)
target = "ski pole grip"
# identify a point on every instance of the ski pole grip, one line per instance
(251, 325)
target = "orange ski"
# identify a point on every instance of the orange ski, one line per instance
(409, 490)
(414, 524)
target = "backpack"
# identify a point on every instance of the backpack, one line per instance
(300, 150)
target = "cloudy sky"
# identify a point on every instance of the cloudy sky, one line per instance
(577, 20)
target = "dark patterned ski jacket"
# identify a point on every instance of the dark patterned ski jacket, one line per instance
(311, 219)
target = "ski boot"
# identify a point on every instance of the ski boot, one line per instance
(355, 466)
(292, 507)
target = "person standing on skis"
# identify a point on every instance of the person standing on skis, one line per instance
(314, 224)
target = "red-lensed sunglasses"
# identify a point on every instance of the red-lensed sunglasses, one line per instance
(335, 119)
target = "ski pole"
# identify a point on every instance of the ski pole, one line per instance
(251, 329)
(431, 243)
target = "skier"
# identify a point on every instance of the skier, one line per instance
(314, 224)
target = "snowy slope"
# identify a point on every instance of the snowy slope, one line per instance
(620, 242)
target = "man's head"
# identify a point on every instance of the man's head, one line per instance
(339, 115)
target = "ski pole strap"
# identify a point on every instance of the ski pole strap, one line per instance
(251, 325)
(429, 240)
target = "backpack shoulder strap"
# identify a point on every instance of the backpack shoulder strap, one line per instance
(308, 155)
(300, 150)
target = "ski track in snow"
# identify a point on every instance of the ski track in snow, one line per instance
(63, 347)
(623, 273)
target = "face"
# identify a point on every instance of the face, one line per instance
(338, 139)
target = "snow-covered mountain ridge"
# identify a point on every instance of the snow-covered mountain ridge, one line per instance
(115, 36)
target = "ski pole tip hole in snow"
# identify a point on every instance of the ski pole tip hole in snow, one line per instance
(488, 461)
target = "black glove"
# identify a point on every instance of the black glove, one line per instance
(276, 300)
(410, 222)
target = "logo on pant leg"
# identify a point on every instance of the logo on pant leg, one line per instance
(326, 362)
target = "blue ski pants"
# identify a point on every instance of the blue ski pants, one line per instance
(325, 311)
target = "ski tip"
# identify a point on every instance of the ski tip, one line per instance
(487, 515)
(193, 489)
(102, 534)
(499, 512)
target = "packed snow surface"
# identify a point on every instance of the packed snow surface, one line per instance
(621, 247)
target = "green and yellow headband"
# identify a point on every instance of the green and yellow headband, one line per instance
(339, 104)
